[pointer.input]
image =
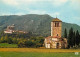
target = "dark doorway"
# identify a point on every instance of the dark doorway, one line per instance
(57, 34)
(57, 45)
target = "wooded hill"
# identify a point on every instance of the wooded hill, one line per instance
(37, 24)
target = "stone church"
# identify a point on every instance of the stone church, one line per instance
(55, 40)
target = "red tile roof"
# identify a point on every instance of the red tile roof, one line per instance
(56, 19)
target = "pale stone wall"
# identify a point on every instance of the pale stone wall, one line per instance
(53, 43)
(51, 28)
(65, 40)
(47, 45)
(56, 30)
(54, 39)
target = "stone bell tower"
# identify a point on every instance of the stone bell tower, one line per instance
(56, 27)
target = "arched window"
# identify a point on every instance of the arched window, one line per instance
(57, 34)
(57, 45)
(56, 24)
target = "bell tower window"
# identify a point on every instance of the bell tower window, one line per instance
(56, 24)
(57, 34)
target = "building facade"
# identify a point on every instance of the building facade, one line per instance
(11, 29)
(55, 40)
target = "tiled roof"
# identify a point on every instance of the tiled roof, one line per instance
(56, 19)
(53, 37)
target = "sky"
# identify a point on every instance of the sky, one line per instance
(66, 10)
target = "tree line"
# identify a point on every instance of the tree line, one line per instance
(73, 38)
(28, 41)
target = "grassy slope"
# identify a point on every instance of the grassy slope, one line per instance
(31, 54)
(7, 45)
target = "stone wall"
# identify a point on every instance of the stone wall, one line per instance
(56, 31)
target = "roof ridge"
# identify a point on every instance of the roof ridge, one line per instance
(56, 19)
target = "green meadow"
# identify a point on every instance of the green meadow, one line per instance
(6, 45)
(35, 54)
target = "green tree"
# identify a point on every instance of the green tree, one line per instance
(2, 40)
(65, 33)
(6, 38)
(74, 38)
(14, 40)
(22, 43)
(30, 44)
(9, 40)
(70, 38)
(77, 38)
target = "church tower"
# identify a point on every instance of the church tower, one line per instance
(56, 27)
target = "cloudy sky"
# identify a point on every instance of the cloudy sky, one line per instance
(66, 10)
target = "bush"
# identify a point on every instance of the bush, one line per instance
(30, 44)
(22, 43)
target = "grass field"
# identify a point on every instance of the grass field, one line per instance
(5, 45)
(37, 50)
(35, 54)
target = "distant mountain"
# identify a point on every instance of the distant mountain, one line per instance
(37, 24)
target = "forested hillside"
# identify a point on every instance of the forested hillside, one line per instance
(37, 24)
